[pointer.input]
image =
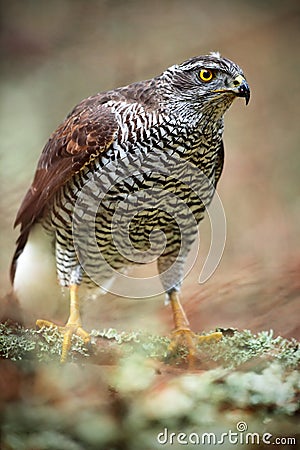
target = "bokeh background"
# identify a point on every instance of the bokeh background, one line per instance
(54, 53)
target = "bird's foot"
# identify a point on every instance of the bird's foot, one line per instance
(67, 331)
(185, 337)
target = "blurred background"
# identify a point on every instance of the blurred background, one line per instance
(54, 53)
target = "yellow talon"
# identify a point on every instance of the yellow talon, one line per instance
(73, 326)
(216, 336)
(183, 335)
(68, 331)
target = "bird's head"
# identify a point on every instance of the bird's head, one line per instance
(206, 83)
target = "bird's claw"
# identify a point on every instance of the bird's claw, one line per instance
(67, 331)
(185, 337)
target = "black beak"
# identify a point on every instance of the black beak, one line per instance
(244, 91)
(239, 87)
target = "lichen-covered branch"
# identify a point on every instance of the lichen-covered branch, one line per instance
(235, 348)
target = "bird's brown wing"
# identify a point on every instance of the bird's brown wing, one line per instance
(87, 132)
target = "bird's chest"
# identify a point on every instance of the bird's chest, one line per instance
(161, 183)
(179, 165)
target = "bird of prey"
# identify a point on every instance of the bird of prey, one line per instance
(152, 150)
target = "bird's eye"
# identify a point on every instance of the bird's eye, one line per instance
(206, 75)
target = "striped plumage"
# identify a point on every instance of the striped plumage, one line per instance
(142, 152)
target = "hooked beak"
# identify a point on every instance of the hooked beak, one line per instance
(241, 88)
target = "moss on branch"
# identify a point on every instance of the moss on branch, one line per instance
(234, 349)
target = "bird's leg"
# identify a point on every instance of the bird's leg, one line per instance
(73, 325)
(182, 335)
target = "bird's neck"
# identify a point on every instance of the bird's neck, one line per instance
(192, 122)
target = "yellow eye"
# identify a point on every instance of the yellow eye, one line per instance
(205, 75)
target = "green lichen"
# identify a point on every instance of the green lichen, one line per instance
(242, 346)
(18, 343)
(234, 349)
